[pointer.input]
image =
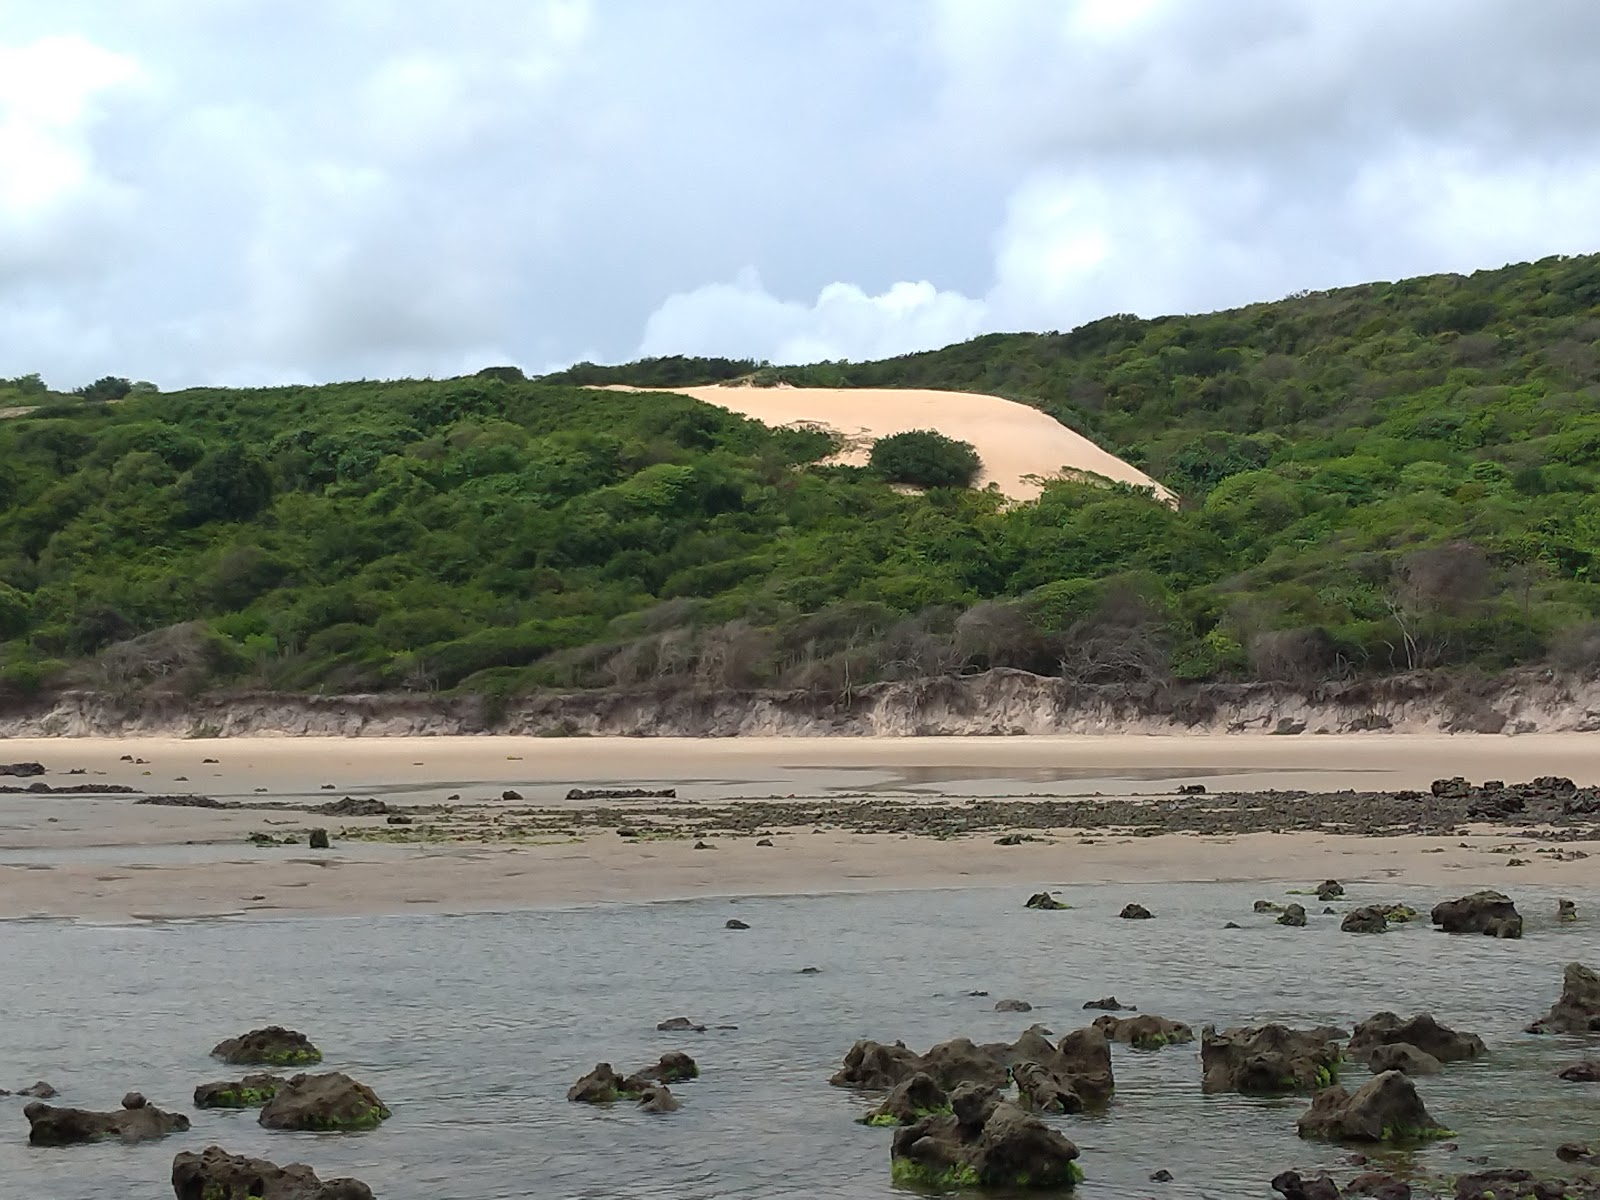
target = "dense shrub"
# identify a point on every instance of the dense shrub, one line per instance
(925, 458)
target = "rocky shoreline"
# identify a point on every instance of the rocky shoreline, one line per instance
(994, 703)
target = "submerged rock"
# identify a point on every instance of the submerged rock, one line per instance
(250, 1092)
(658, 1099)
(1012, 1006)
(1081, 1063)
(272, 1046)
(1566, 910)
(39, 1091)
(1044, 900)
(1329, 889)
(604, 1086)
(1523, 1185)
(1486, 912)
(1403, 1057)
(680, 1025)
(1110, 1004)
(1270, 1060)
(674, 1067)
(1135, 912)
(214, 1174)
(1291, 1185)
(52, 1126)
(734, 923)
(1294, 914)
(1587, 1071)
(1266, 906)
(600, 1086)
(1421, 1031)
(1578, 1009)
(1145, 1031)
(1370, 918)
(984, 1143)
(332, 1102)
(1385, 1109)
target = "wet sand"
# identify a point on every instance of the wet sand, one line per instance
(104, 857)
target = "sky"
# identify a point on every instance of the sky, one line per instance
(276, 191)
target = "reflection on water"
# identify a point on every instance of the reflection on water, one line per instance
(471, 1028)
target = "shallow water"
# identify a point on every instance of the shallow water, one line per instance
(472, 1028)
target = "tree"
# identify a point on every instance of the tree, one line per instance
(230, 484)
(105, 389)
(925, 458)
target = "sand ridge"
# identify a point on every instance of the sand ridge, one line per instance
(1015, 441)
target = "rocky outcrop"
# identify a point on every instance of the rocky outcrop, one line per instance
(1044, 900)
(1578, 1009)
(1329, 889)
(1135, 912)
(1402, 1057)
(214, 1174)
(1370, 918)
(1385, 1109)
(909, 1102)
(273, 1046)
(604, 1086)
(1421, 1031)
(875, 1066)
(600, 1086)
(250, 1092)
(1145, 1031)
(674, 1067)
(984, 1143)
(1084, 1058)
(1523, 1185)
(137, 1122)
(1270, 1060)
(658, 1099)
(1294, 914)
(1486, 912)
(1373, 1185)
(324, 1103)
(1080, 1064)
(1110, 1004)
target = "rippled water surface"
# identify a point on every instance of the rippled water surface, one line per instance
(472, 1028)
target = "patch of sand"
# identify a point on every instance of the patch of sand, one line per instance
(1015, 441)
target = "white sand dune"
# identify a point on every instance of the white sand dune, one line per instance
(1018, 444)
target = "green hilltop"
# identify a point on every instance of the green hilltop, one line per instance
(1375, 479)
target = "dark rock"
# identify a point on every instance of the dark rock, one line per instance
(1191, 789)
(325, 1103)
(658, 1099)
(1110, 1004)
(134, 1100)
(1566, 910)
(1294, 914)
(1292, 1186)
(1329, 889)
(1007, 1149)
(1385, 1109)
(508, 794)
(1232, 925)
(870, 1064)
(1587, 1071)
(1578, 1009)
(250, 1092)
(1012, 1006)
(909, 1102)
(1375, 1185)
(318, 840)
(1145, 1031)
(22, 770)
(764, 842)
(1289, 726)
(1042, 1090)
(1270, 1060)
(398, 819)
(1572, 1151)
(1421, 1031)
(600, 1086)
(272, 1046)
(734, 923)
(1521, 1185)
(1367, 919)
(811, 970)
(1044, 900)
(51, 1126)
(1084, 1059)
(674, 1067)
(366, 806)
(1486, 912)
(621, 794)
(1161, 1176)
(1135, 912)
(958, 1061)
(680, 1025)
(1330, 912)
(1266, 906)
(1402, 1057)
(702, 845)
(39, 1091)
(214, 1174)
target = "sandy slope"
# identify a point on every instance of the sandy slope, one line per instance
(1014, 440)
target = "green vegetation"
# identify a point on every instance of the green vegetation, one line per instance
(925, 458)
(1378, 479)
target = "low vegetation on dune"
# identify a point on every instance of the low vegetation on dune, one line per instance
(1374, 480)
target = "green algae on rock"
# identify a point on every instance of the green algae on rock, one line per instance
(1385, 1109)
(984, 1142)
(250, 1092)
(273, 1046)
(332, 1102)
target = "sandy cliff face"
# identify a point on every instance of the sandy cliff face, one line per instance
(995, 703)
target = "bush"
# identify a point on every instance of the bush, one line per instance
(925, 458)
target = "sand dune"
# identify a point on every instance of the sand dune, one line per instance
(1014, 440)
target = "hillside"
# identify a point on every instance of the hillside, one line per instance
(1375, 480)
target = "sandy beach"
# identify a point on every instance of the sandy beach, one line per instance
(466, 847)
(1015, 441)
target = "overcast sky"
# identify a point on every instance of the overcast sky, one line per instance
(256, 191)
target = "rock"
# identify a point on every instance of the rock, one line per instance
(134, 1100)
(1145, 1031)
(1044, 900)
(1135, 912)
(958, 1061)
(1161, 1176)
(870, 1064)
(1587, 1071)
(1368, 919)
(1572, 1151)
(674, 1067)
(1398, 914)
(1578, 1009)
(1329, 889)
(1482, 912)
(250, 1092)
(1266, 906)
(1232, 925)
(680, 1025)
(909, 1102)
(1289, 726)
(22, 770)
(1402, 1057)
(1421, 1031)
(1385, 1109)
(318, 839)
(1191, 789)
(1375, 1185)
(1007, 1148)
(657, 1098)
(734, 923)
(52, 1126)
(324, 1103)
(764, 841)
(1521, 1185)
(600, 1086)
(1330, 912)
(349, 806)
(1042, 1090)
(398, 819)
(1084, 1059)
(39, 1091)
(1294, 915)
(619, 794)
(1271, 1060)
(508, 794)
(1110, 1004)
(1292, 1186)
(703, 845)
(1566, 910)
(214, 1174)
(811, 970)
(1012, 1006)
(273, 1046)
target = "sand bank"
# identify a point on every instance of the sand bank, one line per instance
(1015, 441)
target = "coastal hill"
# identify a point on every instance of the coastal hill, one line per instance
(1376, 480)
